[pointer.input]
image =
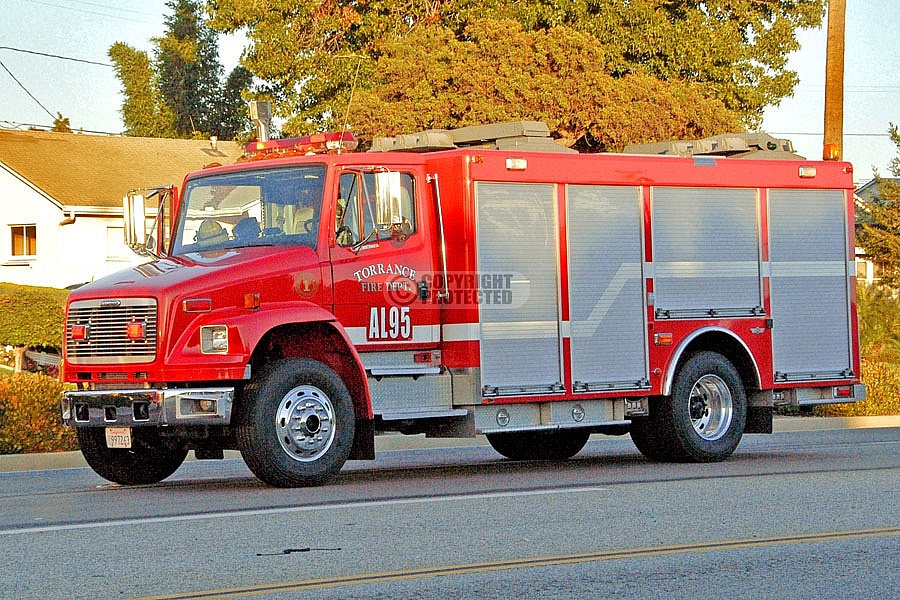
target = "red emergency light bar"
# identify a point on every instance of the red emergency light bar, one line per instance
(333, 142)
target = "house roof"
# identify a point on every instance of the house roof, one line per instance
(869, 190)
(80, 170)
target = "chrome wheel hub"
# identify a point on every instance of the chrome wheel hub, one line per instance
(305, 423)
(711, 407)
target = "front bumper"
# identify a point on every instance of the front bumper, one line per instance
(145, 407)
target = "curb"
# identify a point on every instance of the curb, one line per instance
(69, 460)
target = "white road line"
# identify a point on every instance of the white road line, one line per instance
(294, 509)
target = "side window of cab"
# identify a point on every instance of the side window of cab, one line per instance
(347, 226)
(358, 217)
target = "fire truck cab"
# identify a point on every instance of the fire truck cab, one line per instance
(466, 282)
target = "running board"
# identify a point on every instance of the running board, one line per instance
(406, 415)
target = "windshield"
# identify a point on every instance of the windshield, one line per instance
(260, 207)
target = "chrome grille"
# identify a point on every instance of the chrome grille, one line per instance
(106, 334)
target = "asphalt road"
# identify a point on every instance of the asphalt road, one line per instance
(793, 515)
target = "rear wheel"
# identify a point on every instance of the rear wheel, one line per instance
(644, 434)
(295, 423)
(558, 444)
(702, 421)
(150, 459)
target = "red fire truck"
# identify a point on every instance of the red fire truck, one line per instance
(456, 283)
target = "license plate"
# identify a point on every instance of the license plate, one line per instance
(118, 437)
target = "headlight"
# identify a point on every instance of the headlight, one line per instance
(214, 339)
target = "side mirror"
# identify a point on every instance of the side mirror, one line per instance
(135, 219)
(390, 208)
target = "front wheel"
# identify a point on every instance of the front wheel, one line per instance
(558, 444)
(150, 459)
(295, 423)
(703, 420)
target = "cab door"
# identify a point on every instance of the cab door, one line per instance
(382, 260)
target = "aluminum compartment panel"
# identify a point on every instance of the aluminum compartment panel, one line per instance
(517, 237)
(809, 283)
(606, 287)
(706, 251)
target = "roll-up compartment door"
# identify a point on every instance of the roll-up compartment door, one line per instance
(809, 284)
(706, 252)
(606, 288)
(517, 247)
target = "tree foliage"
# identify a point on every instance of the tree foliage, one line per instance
(61, 124)
(189, 70)
(878, 222)
(312, 55)
(143, 110)
(181, 92)
(432, 80)
(895, 162)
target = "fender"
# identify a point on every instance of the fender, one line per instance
(247, 326)
(675, 359)
(253, 327)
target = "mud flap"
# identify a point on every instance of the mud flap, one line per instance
(759, 419)
(363, 441)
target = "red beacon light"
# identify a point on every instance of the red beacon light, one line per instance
(334, 142)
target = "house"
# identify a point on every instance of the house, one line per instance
(61, 199)
(868, 271)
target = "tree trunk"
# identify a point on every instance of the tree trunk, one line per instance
(19, 354)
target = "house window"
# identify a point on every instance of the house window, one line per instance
(24, 240)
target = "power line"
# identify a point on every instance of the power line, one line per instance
(81, 60)
(30, 95)
(868, 89)
(59, 56)
(100, 14)
(820, 133)
(13, 126)
(107, 6)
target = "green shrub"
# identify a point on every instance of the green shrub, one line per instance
(882, 393)
(879, 324)
(29, 415)
(32, 316)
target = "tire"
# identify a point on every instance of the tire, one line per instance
(558, 444)
(703, 420)
(149, 460)
(295, 423)
(644, 434)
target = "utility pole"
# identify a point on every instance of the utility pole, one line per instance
(833, 142)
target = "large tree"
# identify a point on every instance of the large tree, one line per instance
(143, 110)
(878, 221)
(314, 55)
(181, 92)
(432, 80)
(187, 61)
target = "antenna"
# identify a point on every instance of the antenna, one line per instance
(352, 90)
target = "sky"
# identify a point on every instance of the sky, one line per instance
(34, 87)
